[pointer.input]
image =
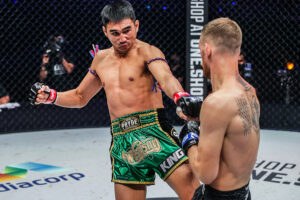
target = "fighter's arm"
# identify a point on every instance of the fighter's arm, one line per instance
(67, 65)
(188, 107)
(205, 157)
(79, 96)
(161, 72)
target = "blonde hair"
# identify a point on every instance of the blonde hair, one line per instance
(224, 33)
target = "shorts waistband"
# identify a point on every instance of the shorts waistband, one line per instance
(241, 191)
(136, 120)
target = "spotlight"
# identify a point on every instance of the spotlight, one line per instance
(290, 65)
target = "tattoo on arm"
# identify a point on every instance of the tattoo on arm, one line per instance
(244, 113)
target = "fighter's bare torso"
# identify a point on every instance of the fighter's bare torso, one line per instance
(127, 81)
(241, 140)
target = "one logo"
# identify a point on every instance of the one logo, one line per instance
(130, 122)
(19, 171)
(171, 160)
(140, 149)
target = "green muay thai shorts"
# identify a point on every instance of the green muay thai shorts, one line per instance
(142, 146)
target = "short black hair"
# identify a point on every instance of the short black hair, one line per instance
(117, 11)
(3, 91)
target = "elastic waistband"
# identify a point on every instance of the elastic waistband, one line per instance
(240, 191)
(137, 120)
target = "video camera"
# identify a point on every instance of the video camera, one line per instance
(53, 49)
(53, 46)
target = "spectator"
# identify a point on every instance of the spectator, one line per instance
(245, 68)
(241, 59)
(4, 96)
(177, 68)
(55, 65)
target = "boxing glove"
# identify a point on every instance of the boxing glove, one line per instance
(189, 135)
(187, 104)
(34, 92)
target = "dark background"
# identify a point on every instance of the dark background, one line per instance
(270, 39)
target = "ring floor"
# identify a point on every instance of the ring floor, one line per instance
(85, 173)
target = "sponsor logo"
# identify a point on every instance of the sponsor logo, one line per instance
(140, 149)
(276, 172)
(174, 133)
(171, 160)
(196, 19)
(19, 171)
(130, 122)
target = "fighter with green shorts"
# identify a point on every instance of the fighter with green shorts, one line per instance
(129, 71)
(142, 146)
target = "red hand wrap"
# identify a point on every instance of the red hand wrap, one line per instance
(179, 94)
(52, 96)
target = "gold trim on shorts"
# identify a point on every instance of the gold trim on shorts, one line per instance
(173, 168)
(154, 112)
(133, 182)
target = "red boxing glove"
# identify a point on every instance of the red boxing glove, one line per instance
(179, 94)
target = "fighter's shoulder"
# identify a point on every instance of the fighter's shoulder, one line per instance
(101, 56)
(221, 102)
(149, 51)
(103, 53)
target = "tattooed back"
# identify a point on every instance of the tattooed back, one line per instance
(236, 112)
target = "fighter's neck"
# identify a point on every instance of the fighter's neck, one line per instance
(223, 70)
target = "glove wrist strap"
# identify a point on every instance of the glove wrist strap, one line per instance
(189, 136)
(179, 94)
(52, 96)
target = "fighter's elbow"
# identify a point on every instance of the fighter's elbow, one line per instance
(82, 104)
(81, 101)
(207, 179)
(207, 176)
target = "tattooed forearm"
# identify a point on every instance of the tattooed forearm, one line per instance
(244, 113)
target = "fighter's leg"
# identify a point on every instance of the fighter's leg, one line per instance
(183, 182)
(130, 191)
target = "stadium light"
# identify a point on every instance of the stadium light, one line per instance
(290, 65)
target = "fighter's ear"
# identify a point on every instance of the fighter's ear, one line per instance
(104, 30)
(137, 25)
(207, 49)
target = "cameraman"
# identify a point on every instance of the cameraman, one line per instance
(55, 65)
(245, 68)
(4, 96)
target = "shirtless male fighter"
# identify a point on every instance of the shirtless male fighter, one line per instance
(224, 154)
(141, 135)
